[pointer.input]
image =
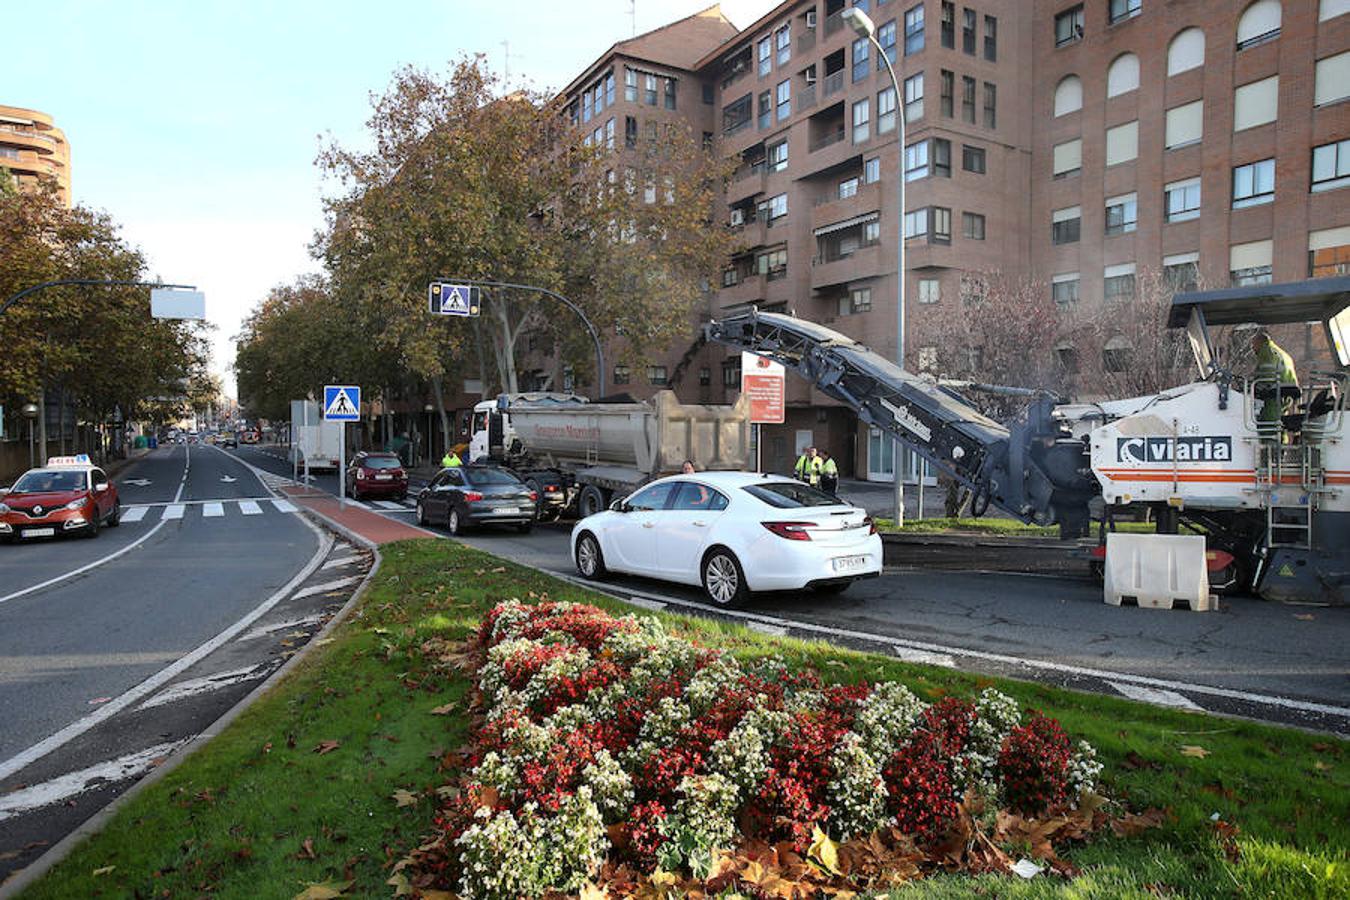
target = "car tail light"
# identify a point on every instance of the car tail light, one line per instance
(550, 487)
(1098, 552)
(361, 474)
(534, 496)
(871, 525)
(472, 496)
(793, 531)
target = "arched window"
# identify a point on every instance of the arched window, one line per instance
(1116, 354)
(1123, 76)
(1260, 22)
(1068, 95)
(1186, 52)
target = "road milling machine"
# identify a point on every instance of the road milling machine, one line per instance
(1271, 494)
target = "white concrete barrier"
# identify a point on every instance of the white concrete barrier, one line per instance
(1157, 570)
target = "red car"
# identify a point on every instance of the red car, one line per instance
(376, 475)
(69, 494)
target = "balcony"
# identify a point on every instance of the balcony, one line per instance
(806, 42)
(750, 289)
(746, 182)
(834, 22)
(831, 209)
(865, 262)
(833, 83)
(807, 98)
(829, 138)
(752, 234)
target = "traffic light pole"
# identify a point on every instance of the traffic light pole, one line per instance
(88, 281)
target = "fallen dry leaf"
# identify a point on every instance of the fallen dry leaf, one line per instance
(1194, 751)
(1304, 617)
(307, 850)
(402, 887)
(404, 798)
(327, 747)
(445, 710)
(103, 871)
(324, 890)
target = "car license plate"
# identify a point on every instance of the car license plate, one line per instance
(849, 563)
(383, 477)
(507, 511)
(39, 532)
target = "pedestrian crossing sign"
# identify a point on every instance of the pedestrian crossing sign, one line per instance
(452, 299)
(342, 403)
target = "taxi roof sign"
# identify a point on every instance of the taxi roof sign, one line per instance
(81, 459)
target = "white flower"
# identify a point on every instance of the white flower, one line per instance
(886, 718)
(856, 792)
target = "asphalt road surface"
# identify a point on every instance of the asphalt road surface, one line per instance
(1265, 660)
(82, 621)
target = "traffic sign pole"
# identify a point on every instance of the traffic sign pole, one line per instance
(342, 463)
(342, 404)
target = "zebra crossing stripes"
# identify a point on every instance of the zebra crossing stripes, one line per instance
(213, 509)
(134, 514)
(173, 511)
(250, 508)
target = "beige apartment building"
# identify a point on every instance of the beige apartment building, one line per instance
(32, 147)
(1083, 145)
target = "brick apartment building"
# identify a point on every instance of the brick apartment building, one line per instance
(1080, 144)
(32, 147)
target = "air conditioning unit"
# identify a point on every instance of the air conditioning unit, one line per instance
(810, 18)
(810, 76)
(738, 217)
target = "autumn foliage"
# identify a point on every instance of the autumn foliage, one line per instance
(615, 757)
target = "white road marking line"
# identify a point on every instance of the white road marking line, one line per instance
(250, 508)
(134, 513)
(644, 603)
(1001, 658)
(168, 673)
(326, 586)
(923, 656)
(341, 561)
(1155, 696)
(73, 783)
(284, 506)
(389, 504)
(213, 510)
(190, 503)
(357, 503)
(265, 630)
(194, 686)
(173, 511)
(772, 630)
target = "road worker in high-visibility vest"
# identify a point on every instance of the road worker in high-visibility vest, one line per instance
(451, 460)
(809, 467)
(1275, 371)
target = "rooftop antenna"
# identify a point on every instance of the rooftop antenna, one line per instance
(506, 62)
(632, 16)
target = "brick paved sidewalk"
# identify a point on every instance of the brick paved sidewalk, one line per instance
(365, 524)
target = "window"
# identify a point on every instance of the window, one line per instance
(654, 497)
(916, 223)
(860, 300)
(1123, 76)
(928, 358)
(972, 159)
(886, 38)
(630, 79)
(968, 99)
(861, 47)
(930, 290)
(630, 131)
(968, 31)
(1068, 95)
(948, 90)
(916, 161)
(990, 105)
(1068, 158)
(948, 25)
(697, 498)
(777, 207)
(1118, 282)
(871, 233)
(1122, 143)
(609, 134)
(670, 93)
(941, 226)
(784, 99)
(1123, 9)
(704, 376)
(783, 41)
(848, 188)
(861, 121)
(586, 106)
(1069, 26)
(765, 56)
(1250, 264)
(1122, 214)
(609, 88)
(991, 38)
(731, 373)
(656, 374)
(913, 97)
(1181, 272)
(914, 30)
(709, 93)
(1256, 103)
(736, 116)
(972, 226)
(777, 156)
(1332, 80)
(1181, 200)
(1064, 288)
(1329, 252)
(1186, 51)
(1116, 353)
(1260, 22)
(886, 109)
(765, 118)
(1185, 124)
(1331, 166)
(942, 157)
(1065, 225)
(622, 374)
(871, 170)
(649, 89)
(1330, 9)
(1254, 183)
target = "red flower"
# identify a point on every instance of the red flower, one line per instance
(919, 786)
(1034, 765)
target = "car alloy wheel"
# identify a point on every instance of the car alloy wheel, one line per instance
(590, 562)
(723, 579)
(421, 514)
(452, 523)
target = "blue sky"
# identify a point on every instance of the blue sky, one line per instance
(196, 123)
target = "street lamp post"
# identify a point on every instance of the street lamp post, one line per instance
(30, 412)
(863, 26)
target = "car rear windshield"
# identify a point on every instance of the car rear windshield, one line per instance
(381, 462)
(34, 482)
(489, 476)
(790, 494)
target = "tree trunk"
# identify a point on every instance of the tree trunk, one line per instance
(506, 350)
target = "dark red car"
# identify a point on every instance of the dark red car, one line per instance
(376, 475)
(68, 495)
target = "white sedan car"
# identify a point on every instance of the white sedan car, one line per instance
(732, 532)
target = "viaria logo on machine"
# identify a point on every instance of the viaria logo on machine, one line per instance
(1188, 448)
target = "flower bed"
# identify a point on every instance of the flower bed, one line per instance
(612, 751)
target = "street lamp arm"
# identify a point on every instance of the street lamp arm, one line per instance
(595, 335)
(88, 281)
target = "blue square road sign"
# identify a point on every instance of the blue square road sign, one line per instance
(342, 403)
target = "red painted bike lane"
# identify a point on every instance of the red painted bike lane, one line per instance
(364, 524)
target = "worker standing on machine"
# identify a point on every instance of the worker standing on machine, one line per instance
(1275, 369)
(808, 467)
(451, 460)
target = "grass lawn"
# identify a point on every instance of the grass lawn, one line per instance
(331, 777)
(992, 525)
